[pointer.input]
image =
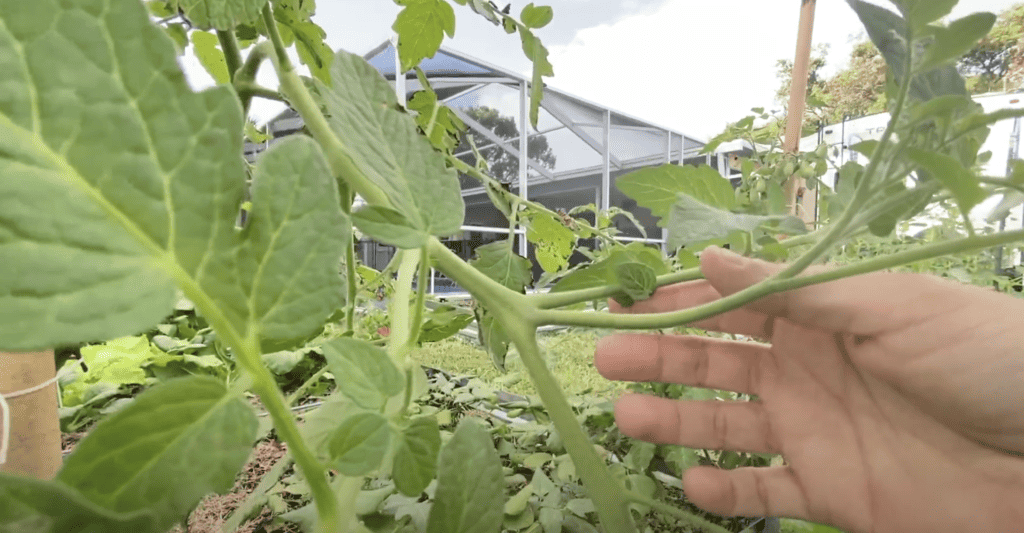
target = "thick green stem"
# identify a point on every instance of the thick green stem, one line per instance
(516, 314)
(346, 491)
(416, 322)
(288, 431)
(770, 286)
(689, 518)
(606, 493)
(341, 164)
(247, 352)
(232, 55)
(249, 90)
(399, 309)
(350, 302)
(280, 51)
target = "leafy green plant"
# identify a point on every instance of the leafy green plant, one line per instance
(120, 186)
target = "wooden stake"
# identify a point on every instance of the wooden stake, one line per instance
(797, 104)
(34, 448)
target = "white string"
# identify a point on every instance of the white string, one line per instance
(6, 414)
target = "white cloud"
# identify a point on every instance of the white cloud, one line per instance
(695, 66)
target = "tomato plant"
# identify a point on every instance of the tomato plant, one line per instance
(121, 186)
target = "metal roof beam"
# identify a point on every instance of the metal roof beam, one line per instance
(557, 113)
(482, 130)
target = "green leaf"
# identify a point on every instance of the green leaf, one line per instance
(636, 280)
(389, 227)
(197, 437)
(35, 506)
(210, 56)
(290, 250)
(884, 224)
(603, 272)
(956, 40)
(536, 16)
(497, 262)
(553, 242)
(369, 376)
(550, 519)
(922, 12)
(960, 181)
(656, 187)
(119, 361)
(470, 488)
(319, 426)
(492, 337)
(385, 146)
(518, 502)
(113, 196)
(360, 444)
(416, 457)
(177, 34)
(283, 362)
(691, 221)
(294, 17)
(538, 54)
(888, 31)
(421, 27)
(221, 14)
(443, 322)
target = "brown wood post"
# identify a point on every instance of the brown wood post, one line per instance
(34, 448)
(797, 104)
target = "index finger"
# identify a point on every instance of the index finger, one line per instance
(741, 321)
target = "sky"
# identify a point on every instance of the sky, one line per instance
(692, 66)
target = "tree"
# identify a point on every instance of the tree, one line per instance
(503, 165)
(996, 63)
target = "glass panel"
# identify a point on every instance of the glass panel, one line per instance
(629, 144)
(384, 61)
(566, 152)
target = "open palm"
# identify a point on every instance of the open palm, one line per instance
(894, 399)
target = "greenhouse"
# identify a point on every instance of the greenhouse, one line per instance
(572, 159)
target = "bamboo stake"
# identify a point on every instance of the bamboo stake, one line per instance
(34, 447)
(797, 104)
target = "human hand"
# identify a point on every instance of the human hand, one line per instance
(891, 396)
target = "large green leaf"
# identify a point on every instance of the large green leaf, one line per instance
(365, 373)
(470, 487)
(386, 147)
(957, 39)
(289, 253)
(416, 456)
(294, 17)
(421, 27)
(921, 12)
(691, 221)
(656, 187)
(553, 242)
(359, 445)
(960, 181)
(35, 506)
(173, 445)
(221, 14)
(536, 16)
(889, 32)
(120, 182)
(604, 272)
(388, 226)
(498, 262)
(211, 57)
